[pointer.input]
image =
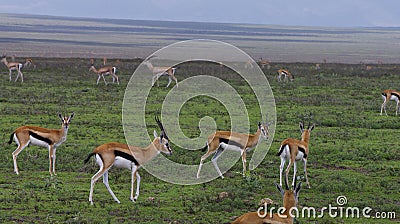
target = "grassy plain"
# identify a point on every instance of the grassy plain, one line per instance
(353, 150)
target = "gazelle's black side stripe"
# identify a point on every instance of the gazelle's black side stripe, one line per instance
(230, 142)
(126, 156)
(303, 151)
(397, 95)
(41, 138)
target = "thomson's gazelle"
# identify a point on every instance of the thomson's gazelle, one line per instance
(295, 150)
(221, 140)
(290, 200)
(129, 157)
(34, 135)
(388, 95)
(13, 66)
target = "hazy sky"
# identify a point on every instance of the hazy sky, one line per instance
(341, 13)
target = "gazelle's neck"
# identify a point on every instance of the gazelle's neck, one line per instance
(150, 152)
(305, 137)
(4, 60)
(149, 65)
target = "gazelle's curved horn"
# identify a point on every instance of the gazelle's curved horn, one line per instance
(160, 125)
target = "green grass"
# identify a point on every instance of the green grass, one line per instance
(353, 150)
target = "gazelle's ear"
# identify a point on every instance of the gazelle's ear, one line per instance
(70, 117)
(301, 125)
(155, 134)
(60, 116)
(312, 127)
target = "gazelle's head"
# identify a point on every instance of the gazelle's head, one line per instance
(305, 133)
(162, 142)
(66, 120)
(3, 58)
(263, 128)
(290, 197)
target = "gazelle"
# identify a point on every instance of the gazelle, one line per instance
(388, 95)
(129, 157)
(13, 66)
(264, 63)
(295, 150)
(290, 200)
(286, 75)
(243, 143)
(34, 135)
(29, 62)
(107, 70)
(160, 71)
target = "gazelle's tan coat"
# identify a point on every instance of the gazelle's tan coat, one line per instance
(221, 140)
(34, 135)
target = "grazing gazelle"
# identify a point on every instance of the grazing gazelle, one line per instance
(290, 200)
(286, 75)
(13, 66)
(107, 70)
(129, 157)
(264, 63)
(34, 135)
(295, 150)
(28, 63)
(160, 71)
(243, 143)
(388, 95)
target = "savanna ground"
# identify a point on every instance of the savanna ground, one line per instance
(353, 150)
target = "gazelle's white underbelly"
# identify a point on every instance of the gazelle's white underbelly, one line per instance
(37, 142)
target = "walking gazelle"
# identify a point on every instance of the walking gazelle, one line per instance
(106, 70)
(129, 157)
(295, 150)
(34, 135)
(13, 66)
(388, 95)
(221, 140)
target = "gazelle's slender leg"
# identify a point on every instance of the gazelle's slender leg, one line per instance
(98, 79)
(51, 160)
(215, 158)
(135, 175)
(288, 169)
(294, 173)
(54, 160)
(305, 172)
(283, 161)
(169, 81)
(244, 162)
(105, 182)
(18, 151)
(102, 75)
(204, 157)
